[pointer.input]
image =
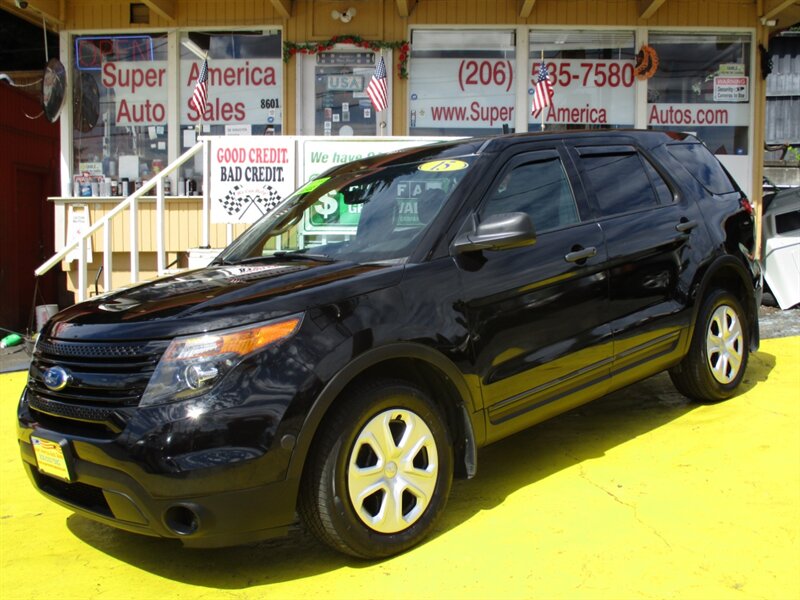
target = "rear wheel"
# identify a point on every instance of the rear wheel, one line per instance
(380, 473)
(717, 358)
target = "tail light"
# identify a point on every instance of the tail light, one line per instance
(745, 203)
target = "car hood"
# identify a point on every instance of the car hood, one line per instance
(217, 297)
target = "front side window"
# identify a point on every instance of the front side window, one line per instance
(592, 75)
(702, 86)
(541, 190)
(461, 82)
(618, 180)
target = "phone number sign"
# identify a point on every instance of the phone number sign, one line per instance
(588, 91)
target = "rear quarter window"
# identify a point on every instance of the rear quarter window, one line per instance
(703, 166)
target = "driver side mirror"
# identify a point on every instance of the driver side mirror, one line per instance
(497, 232)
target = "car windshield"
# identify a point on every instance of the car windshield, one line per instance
(369, 215)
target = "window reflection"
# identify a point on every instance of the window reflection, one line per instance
(120, 111)
(702, 86)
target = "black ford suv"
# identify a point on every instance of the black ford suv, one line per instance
(489, 284)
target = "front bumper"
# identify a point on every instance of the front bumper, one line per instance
(231, 496)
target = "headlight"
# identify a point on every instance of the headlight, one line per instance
(193, 364)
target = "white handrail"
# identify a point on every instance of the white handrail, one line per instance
(131, 202)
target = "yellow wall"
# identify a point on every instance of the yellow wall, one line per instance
(311, 19)
(182, 228)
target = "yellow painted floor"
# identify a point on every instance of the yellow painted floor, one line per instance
(638, 495)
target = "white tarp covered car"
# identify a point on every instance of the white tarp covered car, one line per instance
(781, 250)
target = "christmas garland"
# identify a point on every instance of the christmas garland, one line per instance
(291, 48)
(646, 63)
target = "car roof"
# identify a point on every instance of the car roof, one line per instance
(499, 143)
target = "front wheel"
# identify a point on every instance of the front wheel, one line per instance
(717, 358)
(380, 473)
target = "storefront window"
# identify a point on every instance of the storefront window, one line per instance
(702, 86)
(592, 75)
(461, 82)
(119, 111)
(245, 77)
(245, 91)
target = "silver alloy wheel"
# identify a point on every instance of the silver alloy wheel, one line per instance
(724, 344)
(392, 470)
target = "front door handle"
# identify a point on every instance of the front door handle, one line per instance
(685, 226)
(579, 254)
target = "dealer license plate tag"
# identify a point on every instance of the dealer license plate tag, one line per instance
(51, 458)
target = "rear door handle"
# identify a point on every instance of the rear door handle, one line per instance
(685, 226)
(581, 254)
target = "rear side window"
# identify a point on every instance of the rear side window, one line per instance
(619, 181)
(665, 195)
(703, 166)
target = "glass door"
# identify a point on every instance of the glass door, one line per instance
(333, 101)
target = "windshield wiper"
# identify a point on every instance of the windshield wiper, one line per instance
(226, 262)
(303, 256)
(284, 255)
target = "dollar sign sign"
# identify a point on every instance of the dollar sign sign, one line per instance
(326, 206)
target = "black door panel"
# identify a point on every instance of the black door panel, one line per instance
(537, 324)
(649, 231)
(537, 314)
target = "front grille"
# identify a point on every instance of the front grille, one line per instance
(110, 417)
(104, 377)
(81, 350)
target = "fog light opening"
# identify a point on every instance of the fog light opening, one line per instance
(181, 520)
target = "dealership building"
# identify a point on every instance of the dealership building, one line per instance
(455, 68)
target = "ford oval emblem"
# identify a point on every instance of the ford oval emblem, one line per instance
(56, 378)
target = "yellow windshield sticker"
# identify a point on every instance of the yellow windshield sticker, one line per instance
(437, 166)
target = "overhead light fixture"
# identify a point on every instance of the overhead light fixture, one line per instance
(344, 17)
(769, 22)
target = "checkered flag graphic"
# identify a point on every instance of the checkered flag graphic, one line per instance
(235, 203)
(232, 203)
(268, 202)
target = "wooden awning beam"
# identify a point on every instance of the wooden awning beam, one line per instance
(525, 8)
(647, 8)
(405, 7)
(283, 8)
(776, 7)
(166, 9)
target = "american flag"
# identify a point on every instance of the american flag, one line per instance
(543, 92)
(200, 95)
(376, 90)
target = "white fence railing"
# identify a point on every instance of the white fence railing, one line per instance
(132, 203)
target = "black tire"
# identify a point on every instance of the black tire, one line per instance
(720, 347)
(414, 458)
